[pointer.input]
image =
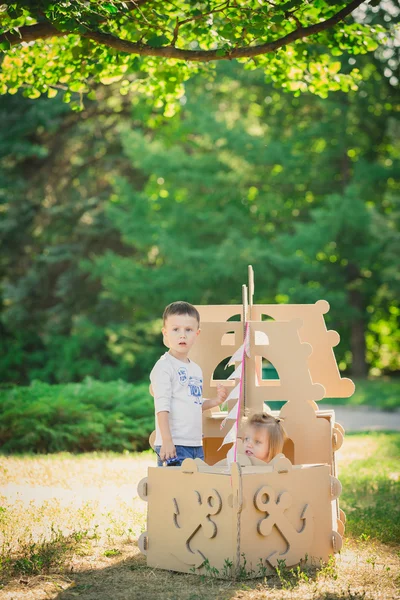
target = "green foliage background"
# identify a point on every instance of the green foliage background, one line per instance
(109, 416)
(164, 191)
(76, 417)
(108, 215)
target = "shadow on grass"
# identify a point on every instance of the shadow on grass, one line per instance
(131, 579)
(127, 577)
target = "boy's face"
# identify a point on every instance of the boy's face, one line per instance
(256, 442)
(180, 333)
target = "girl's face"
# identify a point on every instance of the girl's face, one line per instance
(256, 442)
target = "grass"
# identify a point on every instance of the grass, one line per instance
(371, 488)
(69, 525)
(382, 393)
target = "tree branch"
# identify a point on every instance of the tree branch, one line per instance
(46, 30)
(31, 33)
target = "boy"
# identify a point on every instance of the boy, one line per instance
(177, 386)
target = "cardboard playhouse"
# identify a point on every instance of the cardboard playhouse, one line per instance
(232, 509)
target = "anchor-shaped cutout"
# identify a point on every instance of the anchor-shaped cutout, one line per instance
(298, 541)
(198, 518)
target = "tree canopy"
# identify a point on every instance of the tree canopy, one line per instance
(156, 45)
(109, 214)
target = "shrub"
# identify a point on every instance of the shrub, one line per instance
(82, 417)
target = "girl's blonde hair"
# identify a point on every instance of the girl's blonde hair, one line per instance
(274, 429)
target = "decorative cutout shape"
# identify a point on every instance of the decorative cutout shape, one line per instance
(298, 541)
(199, 518)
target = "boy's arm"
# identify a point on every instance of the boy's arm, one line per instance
(161, 390)
(222, 394)
(167, 449)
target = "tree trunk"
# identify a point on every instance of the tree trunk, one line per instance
(357, 341)
(357, 333)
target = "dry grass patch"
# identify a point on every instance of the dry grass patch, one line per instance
(69, 525)
(56, 509)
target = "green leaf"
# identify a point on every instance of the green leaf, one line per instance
(335, 67)
(5, 45)
(32, 93)
(297, 85)
(156, 41)
(370, 44)
(110, 8)
(164, 17)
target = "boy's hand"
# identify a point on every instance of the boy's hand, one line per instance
(222, 394)
(167, 450)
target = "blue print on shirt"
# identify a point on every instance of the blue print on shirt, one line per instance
(195, 389)
(182, 374)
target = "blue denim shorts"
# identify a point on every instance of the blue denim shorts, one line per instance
(182, 452)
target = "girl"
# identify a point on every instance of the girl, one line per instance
(264, 437)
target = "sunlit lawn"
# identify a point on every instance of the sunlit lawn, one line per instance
(69, 526)
(382, 393)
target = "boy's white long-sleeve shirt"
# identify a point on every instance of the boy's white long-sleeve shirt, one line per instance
(177, 388)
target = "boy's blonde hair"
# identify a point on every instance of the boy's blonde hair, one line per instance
(274, 429)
